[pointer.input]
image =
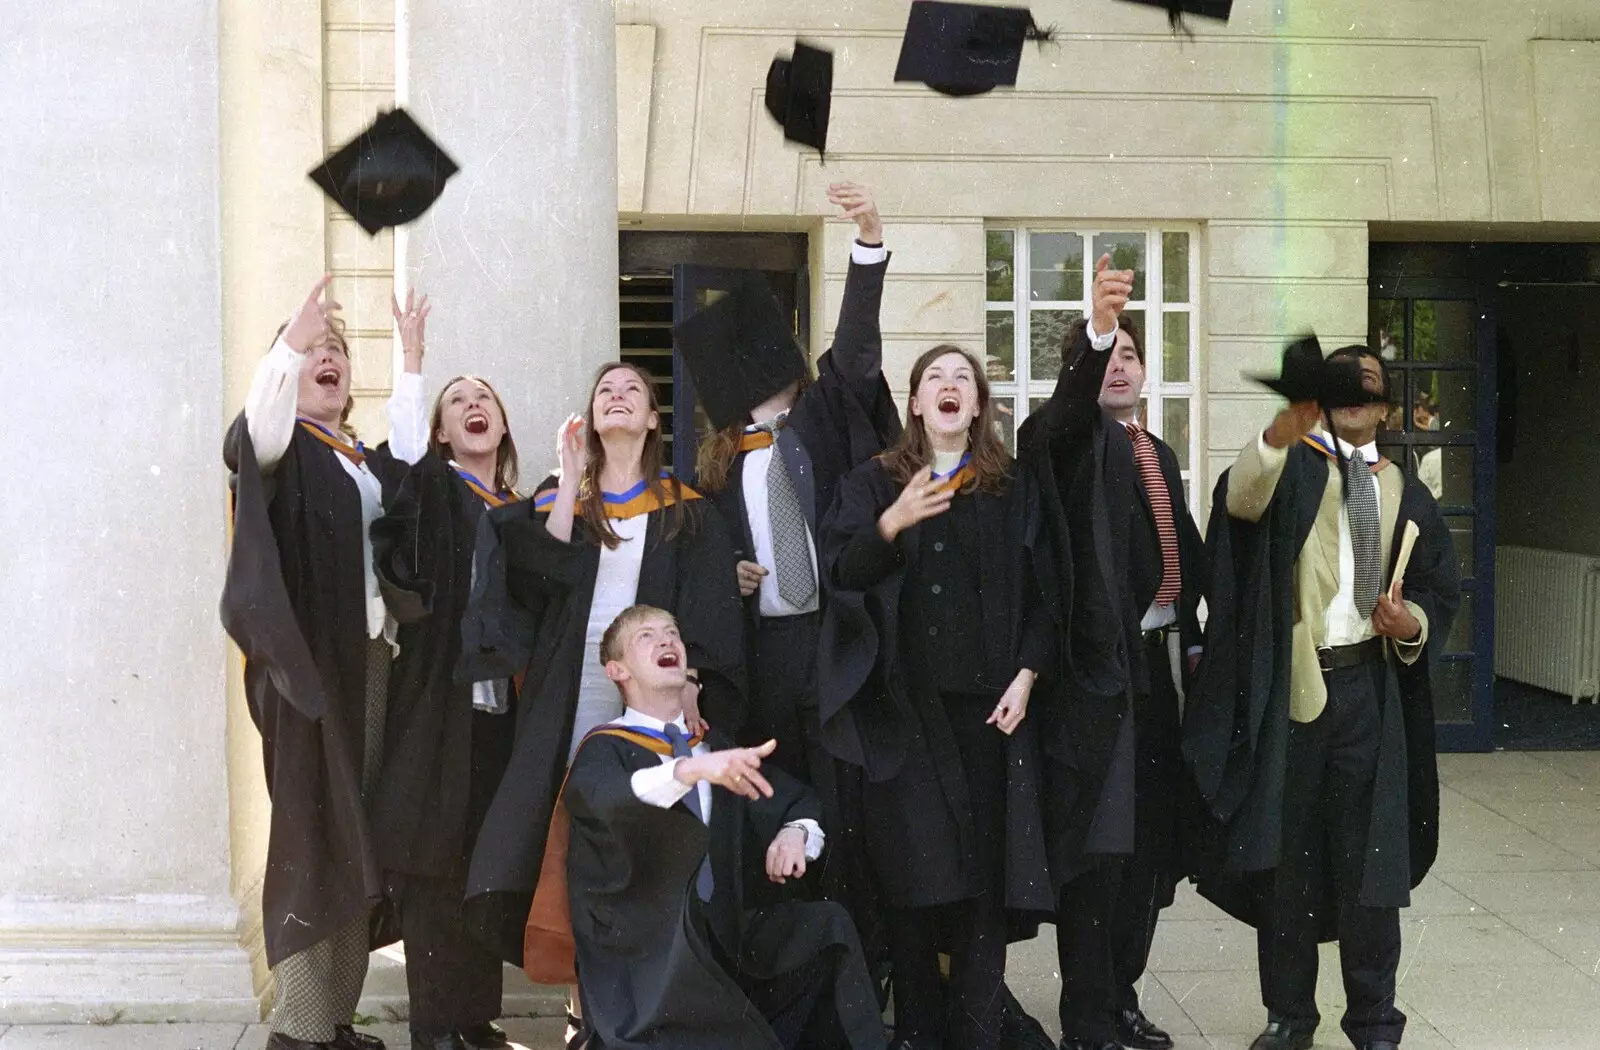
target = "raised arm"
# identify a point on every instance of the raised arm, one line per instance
(1255, 474)
(1074, 405)
(858, 339)
(408, 405)
(269, 410)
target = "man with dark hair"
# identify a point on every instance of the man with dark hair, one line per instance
(1310, 726)
(1163, 568)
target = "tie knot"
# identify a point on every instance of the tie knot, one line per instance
(1135, 431)
(675, 737)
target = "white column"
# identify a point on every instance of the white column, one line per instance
(520, 254)
(114, 873)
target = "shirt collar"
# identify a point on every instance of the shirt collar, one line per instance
(1369, 451)
(632, 717)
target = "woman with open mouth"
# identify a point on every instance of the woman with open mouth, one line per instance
(933, 638)
(448, 742)
(314, 628)
(614, 530)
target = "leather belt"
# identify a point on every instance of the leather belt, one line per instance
(1339, 657)
(1158, 634)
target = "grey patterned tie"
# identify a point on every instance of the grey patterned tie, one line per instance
(1362, 510)
(791, 544)
(703, 884)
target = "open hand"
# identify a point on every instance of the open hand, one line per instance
(1013, 706)
(1293, 423)
(786, 857)
(750, 576)
(736, 768)
(572, 444)
(857, 203)
(413, 323)
(1112, 290)
(920, 500)
(310, 325)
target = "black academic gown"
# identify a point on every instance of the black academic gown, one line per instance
(1236, 725)
(660, 968)
(1083, 465)
(880, 713)
(294, 602)
(528, 613)
(423, 547)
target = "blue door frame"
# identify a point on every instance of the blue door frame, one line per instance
(1466, 658)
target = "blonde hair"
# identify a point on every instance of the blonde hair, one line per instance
(627, 619)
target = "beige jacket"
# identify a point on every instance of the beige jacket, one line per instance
(1251, 483)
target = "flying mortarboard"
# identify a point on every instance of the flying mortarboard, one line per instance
(965, 49)
(1308, 376)
(740, 351)
(388, 175)
(800, 93)
(1176, 9)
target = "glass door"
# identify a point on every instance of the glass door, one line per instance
(1438, 339)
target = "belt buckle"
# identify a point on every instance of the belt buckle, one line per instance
(1325, 657)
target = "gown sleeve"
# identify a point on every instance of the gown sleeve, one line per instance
(711, 614)
(408, 418)
(270, 407)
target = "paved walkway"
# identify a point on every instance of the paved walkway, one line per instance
(1502, 942)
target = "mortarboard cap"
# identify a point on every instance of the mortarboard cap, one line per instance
(965, 49)
(740, 351)
(1308, 376)
(1176, 9)
(800, 93)
(388, 175)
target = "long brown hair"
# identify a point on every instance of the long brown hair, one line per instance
(591, 500)
(505, 456)
(991, 463)
(335, 335)
(719, 448)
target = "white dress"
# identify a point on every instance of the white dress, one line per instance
(616, 585)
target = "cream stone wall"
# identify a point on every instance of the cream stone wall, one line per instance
(1287, 134)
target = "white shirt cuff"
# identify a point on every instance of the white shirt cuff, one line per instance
(1100, 343)
(659, 786)
(1270, 457)
(408, 418)
(862, 255)
(815, 839)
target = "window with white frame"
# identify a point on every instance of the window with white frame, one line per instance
(1039, 283)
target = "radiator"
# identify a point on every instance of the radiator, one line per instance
(1547, 620)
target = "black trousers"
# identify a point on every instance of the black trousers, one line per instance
(1332, 763)
(1084, 937)
(783, 675)
(1152, 872)
(965, 1013)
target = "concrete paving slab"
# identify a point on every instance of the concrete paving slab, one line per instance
(122, 1037)
(1530, 892)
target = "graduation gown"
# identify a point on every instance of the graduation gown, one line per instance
(879, 712)
(1236, 724)
(1082, 463)
(528, 614)
(662, 969)
(294, 601)
(423, 547)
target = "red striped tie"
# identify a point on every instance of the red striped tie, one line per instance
(1155, 487)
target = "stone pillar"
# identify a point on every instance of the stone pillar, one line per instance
(114, 876)
(520, 254)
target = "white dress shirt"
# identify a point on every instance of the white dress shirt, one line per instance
(1345, 625)
(659, 786)
(270, 416)
(616, 586)
(754, 480)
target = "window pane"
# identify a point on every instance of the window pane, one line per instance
(1035, 403)
(1000, 347)
(1057, 266)
(1460, 640)
(1387, 329)
(1452, 691)
(1444, 330)
(1127, 252)
(1006, 421)
(1175, 427)
(1175, 347)
(1461, 537)
(1000, 258)
(1445, 470)
(1175, 267)
(1443, 401)
(1144, 412)
(1137, 317)
(1047, 329)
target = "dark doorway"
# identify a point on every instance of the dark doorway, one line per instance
(666, 276)
(1497, 365)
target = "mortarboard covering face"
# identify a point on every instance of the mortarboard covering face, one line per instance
(1308, 376)
(388, 175)
(800, 93)
(965, 49)
(740, 351)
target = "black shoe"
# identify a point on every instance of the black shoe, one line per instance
(279, 1041)
(486, 1036)
(1381, 1044)
(1088, 1044)
(448, 1041)
(1019, 1030)
(345, 1037)
(578, 1032)
(1137, 1032)
(1280, 1036)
